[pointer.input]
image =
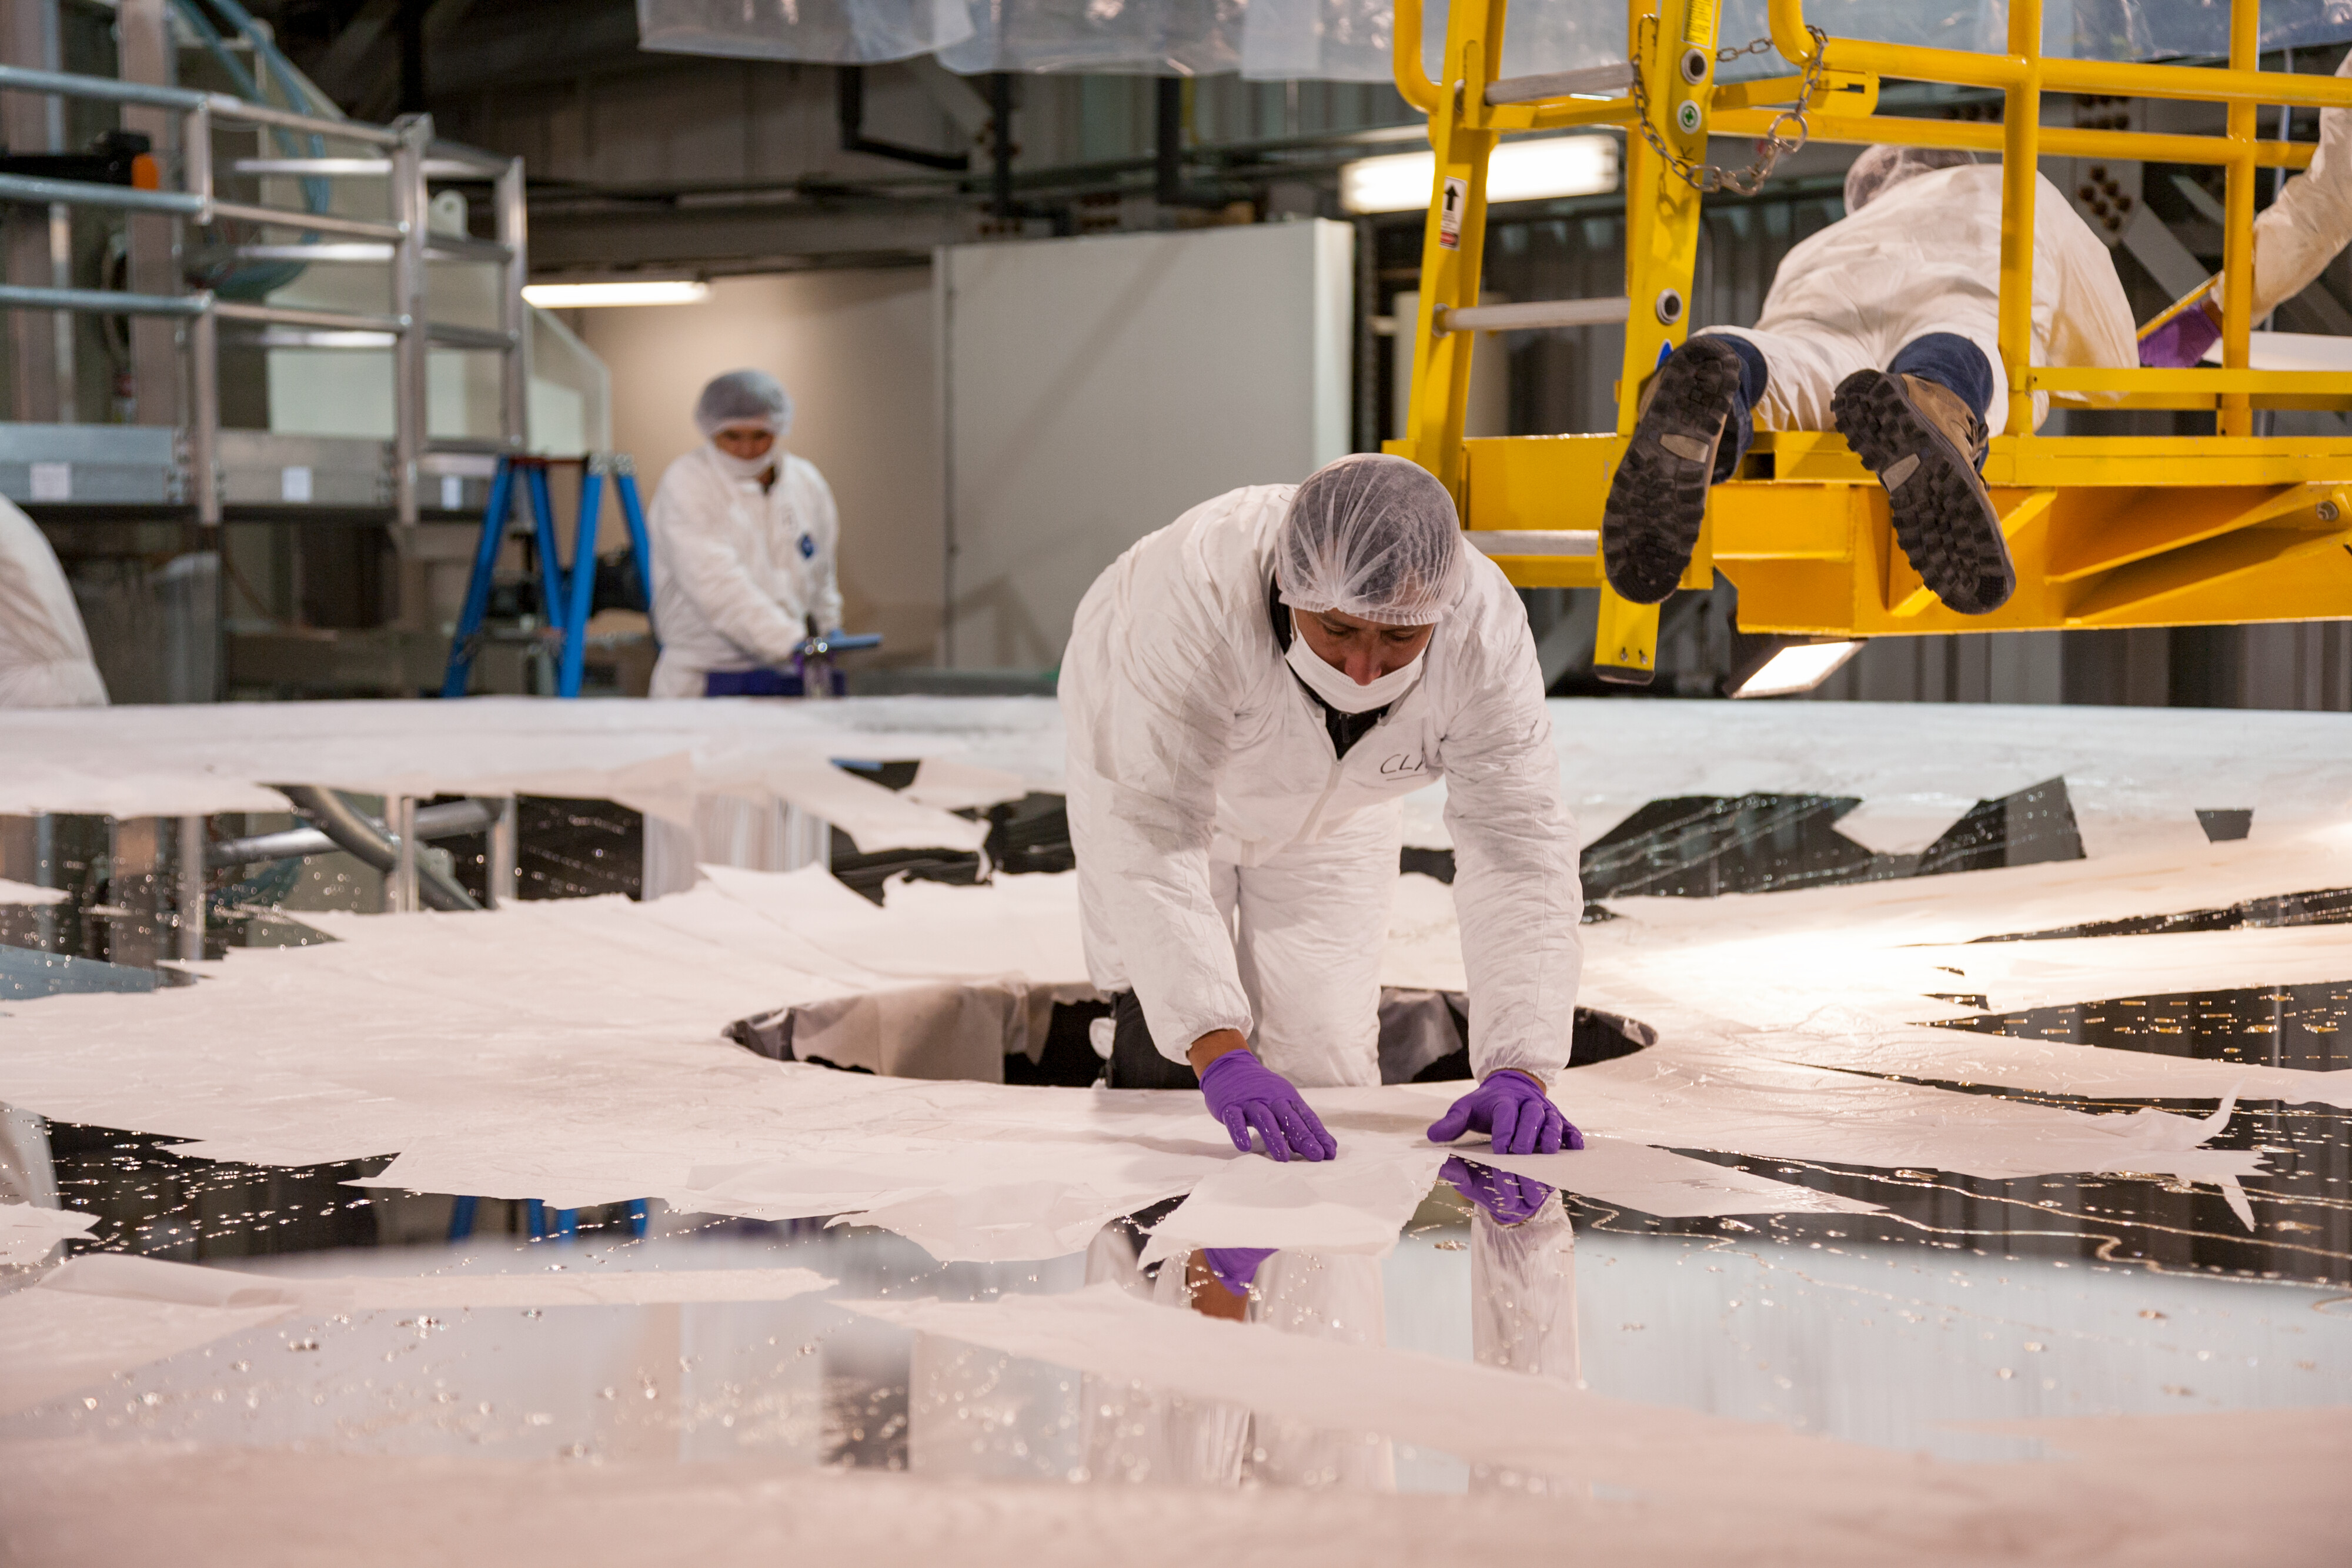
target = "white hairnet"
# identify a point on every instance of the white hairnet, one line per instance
(1373, 536)
(1881, 166)
(743, 398)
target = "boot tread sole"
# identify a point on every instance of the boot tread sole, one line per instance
(1943, 518)
(1657, 499)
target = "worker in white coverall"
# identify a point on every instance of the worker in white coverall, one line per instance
(45, 658)
(1885, 328)
(744, 537)
(1249, 693)
(2295, 239)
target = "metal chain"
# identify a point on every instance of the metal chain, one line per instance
(1754, 47)
(1769, 150)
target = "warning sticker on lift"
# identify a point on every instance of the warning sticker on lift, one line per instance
(1449, 217)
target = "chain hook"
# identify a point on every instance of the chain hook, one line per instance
(1774, 146)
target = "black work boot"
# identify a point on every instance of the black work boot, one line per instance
(1925, 444)
(1658, 500)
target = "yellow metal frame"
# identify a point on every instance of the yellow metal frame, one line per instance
(2104, 530)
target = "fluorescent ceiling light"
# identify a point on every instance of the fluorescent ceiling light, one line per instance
(1517, 172)
(582, 296)
(1796, 667)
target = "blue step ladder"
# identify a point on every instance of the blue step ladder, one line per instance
(543, 1223)
(564, 594)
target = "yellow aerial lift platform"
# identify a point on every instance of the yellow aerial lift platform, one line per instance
(2103, 531)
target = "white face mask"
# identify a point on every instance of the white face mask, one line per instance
(1333, 685)
(736, 467)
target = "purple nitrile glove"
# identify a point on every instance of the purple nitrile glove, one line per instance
(1243, 1093)
(1507, 1198)
(1235, 1267)
(2181, 342)
(1514, 1109)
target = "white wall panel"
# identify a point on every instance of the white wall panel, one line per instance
(1095, 389)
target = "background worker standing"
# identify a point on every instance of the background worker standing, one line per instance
(745, 539)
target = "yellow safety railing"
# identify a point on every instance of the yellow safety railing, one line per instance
(1669, 104)
(2024, 75)
(1461, 119)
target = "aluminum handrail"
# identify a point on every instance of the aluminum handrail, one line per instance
(107, 302)
(102, 301)
(364, 168)
(294, 315)
(21, 79)
(67, 84)
(450, 335)
(308, 168)
(41, 191)
(321, 222)
(414, 158)
(438, 248)
(354, 251)
(228, 107)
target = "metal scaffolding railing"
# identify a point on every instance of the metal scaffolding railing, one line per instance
(403, 154)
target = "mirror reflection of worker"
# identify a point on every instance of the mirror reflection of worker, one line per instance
(1139, 1433)
(44, 657)
(1522, 1319)
(1250, 693)
(744, 541)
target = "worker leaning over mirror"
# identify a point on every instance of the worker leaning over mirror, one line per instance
(744, 538)
(1250, 693)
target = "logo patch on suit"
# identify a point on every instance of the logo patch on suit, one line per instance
(808, 547)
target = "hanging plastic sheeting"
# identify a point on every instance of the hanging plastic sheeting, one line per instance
(2077, 29)
(2191, 29)
(1349, 40)
(1181, 37)
(1321, 40)
(829, 32)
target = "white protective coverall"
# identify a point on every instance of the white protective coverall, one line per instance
(44, 657)
(738, 570)
(1925, 256)
(2297, 236)
(1235, 874)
